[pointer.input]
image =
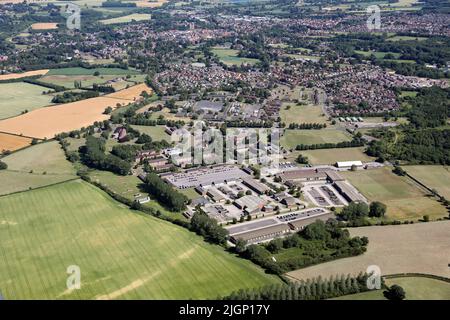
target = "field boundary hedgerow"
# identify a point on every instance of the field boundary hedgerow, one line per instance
(37, 188)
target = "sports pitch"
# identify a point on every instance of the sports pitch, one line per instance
(302, 114)
(331, 156)
(292, 138)
(121, 254)
(405, 200)
(230, 57)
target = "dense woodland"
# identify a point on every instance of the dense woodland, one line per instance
(426, 140)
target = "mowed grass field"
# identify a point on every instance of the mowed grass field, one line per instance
(230, 57)
(292, 138)
(20, 96)
(156, 132)
(11, 142)
(121, 254)
(39, 165)
(302, 114)
(11, 76)
(69, 116)
(68, 81)
(405, 200)
(434, 177)
(411, 248)
(416, 288)
(331, 156)
(127, 18)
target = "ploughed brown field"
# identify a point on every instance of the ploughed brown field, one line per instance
(12, 76)
(49, 121)
(11, 142)
(44, 26)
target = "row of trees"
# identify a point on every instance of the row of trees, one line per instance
(360, 210)
(166, 195)
(356, 142)
(307, 126)
(208, 227)
(311, 289)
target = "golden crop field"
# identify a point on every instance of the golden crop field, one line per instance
(12, 76)
(11, 142)
(47, 122)
(44, 26)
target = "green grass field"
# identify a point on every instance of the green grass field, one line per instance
(302, 114)
(121, 254)
(292, 138)
(68, 81)
(39, 165)
(127, 18)
(416, 288)
(78, 71)
(404, 199)
(230, 57)
(330, 156)
(128, 187)
(434, 177)
(377, 54)
(156, 132)
(17, 97)
(406, 38)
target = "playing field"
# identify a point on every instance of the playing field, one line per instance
(434, 177)
(156, 132)
(302, 114)
(44, 26)
(292, 138)
(18, 97)
(331, 156)
(47, 122)
(412, 248)
(11, 142)
(230, 57)
(127, 18)
(404, 199)
(11, 76)
(121, 254)
(416, 288)
(39, 165)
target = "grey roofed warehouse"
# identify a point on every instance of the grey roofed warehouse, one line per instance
(255, 185)
(205, 176)
(263, 234)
